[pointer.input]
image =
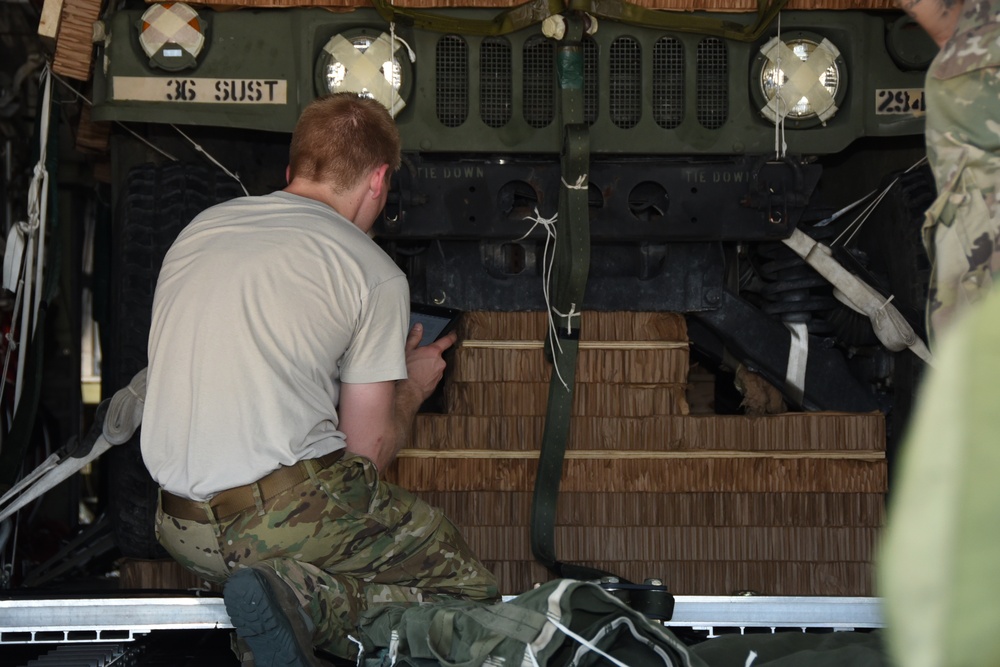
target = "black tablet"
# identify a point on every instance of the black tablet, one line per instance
(437, 320)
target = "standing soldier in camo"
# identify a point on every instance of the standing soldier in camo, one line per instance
(281, 380)
(963, 145)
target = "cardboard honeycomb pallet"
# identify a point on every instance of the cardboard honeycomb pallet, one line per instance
(787, 504)
(74, 41)
(798, 431)
(726, 6)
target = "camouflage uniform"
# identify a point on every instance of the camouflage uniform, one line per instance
(342, 540)
(963, 145)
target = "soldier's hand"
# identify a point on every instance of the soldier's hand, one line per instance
(425, 365)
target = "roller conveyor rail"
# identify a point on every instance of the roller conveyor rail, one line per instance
(123, 617)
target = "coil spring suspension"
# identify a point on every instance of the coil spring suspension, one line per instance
(793, 292)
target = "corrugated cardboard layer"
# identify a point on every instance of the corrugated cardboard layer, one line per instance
(159, 575)
(681, 543)
(713, 577)
(817, 431)
(753, 475)
(513, 509)
(786, 504)
(92, 136)
(531, 398)
(594, 325)
(673, 5)
(74, 43)
(487, 364)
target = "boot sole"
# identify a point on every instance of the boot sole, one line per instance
(256, 612)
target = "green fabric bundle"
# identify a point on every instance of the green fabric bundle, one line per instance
(563, 623)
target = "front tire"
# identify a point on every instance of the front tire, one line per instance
(157, 202)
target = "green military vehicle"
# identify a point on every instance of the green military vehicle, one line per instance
(675, 156)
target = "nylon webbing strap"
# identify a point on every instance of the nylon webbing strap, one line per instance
(536, 11)
(569, 282)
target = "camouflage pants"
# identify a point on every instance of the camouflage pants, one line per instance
(343, 540)
(962, 226)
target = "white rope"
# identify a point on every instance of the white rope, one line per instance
(361, 649)
(581, 183)
(125, 410)
(568, 317)
(394, 39)
(847, 209)
(125, 127)
(882, 311)
(409, 49)
(218, 164)
(394, 96)
(798, 360)
(750, 658)
(532, 658)
(34, 231)
(781, 108)
(40, 222)
(780, 145)
(584, 642)
(548, 260)
(855, 226)
(159, 150)
(10, 336)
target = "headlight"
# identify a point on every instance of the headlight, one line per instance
(172, 35)
(367, 63)
(801, 79)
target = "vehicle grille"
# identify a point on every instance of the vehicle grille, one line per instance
(628, 75)
(495, 82)
(452, 80)
(668, 83)
(625, 67)
(591, 82)
(713, 83)
(539, 81)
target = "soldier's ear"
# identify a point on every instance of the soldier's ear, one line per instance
(378, 182)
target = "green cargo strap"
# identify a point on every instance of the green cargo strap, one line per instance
(626, 12)
(536, 11)
(505, 22)
(569, 282)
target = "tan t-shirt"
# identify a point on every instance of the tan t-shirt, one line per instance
(264, 305)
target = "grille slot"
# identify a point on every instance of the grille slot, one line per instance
(712, 89)
(496, 82)
(668, 82)
(539, 82)
(452, 80)
(591, 81)
(625, 74)
(668, 99)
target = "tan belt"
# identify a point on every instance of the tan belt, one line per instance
(233, 501)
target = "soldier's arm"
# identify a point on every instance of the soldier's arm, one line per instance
(376, 418)
(367, 421)
(937, 17)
